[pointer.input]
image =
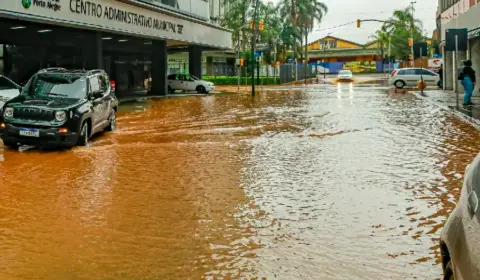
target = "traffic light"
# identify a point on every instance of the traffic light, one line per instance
(260, 25)
(358, 23)
(410, 41)
(410, 57)
(242, 62)
(251, 24)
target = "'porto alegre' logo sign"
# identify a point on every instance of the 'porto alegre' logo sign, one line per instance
(26, 3)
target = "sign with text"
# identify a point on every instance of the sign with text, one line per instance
(119, 17)
(454, 37)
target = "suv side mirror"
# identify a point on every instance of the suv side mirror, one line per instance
(96, 94)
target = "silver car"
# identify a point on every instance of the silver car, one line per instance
(460, 239)
(410, 76)
(8, 90)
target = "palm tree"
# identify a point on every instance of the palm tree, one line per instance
(400, 28)
(309, 11)
(382, 38)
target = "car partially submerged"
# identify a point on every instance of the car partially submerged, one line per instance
(345, 75)
(60, 108)
(460, 239)
(8, 90)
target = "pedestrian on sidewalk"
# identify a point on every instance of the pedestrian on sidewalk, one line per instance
(440, 75)
(467, 76)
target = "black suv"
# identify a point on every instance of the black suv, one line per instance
(60, 108)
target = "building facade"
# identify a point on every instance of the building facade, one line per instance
(452, 14)
(337, 54)
(130, 39)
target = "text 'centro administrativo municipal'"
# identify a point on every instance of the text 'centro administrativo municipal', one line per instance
(97, 10)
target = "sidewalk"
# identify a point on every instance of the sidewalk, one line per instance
(447, 100)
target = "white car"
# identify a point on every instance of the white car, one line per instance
(187, 82)
(410, 77)
(345, 75)
(8, 90)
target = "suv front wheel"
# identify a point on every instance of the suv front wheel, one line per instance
(83, 136)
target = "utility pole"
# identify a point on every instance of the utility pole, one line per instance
(254, 44)
(411, 34)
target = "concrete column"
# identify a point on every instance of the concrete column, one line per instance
(195, 61)
(475, 57)
(92, 51)
(210, 66)
(461, 57)
(159, 67)
(448, 65)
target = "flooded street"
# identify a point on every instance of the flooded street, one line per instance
(328, 182)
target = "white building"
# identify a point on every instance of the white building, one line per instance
(454, 14)
(131, 39)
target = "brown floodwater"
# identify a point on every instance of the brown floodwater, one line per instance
(328, 182)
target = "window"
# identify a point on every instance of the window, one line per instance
(427, 73)
(401, 72)
(410, 72)
(94, 84)
(103, 83)
(56, 85)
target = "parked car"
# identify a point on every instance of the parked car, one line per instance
(460, 239)
(60, 108)
(8, 90)
(345, 75)
(410, 77)
(187, 82)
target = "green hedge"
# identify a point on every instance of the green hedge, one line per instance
(233, 80)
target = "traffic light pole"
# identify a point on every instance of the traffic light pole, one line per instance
(254, 42)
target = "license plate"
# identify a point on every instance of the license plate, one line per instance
(29, 132)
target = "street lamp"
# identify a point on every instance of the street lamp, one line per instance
(413, 24)
(325, 44)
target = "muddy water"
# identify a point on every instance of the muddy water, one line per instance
(331, 182)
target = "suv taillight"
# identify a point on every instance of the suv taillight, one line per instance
(112, 84)
(394, 73)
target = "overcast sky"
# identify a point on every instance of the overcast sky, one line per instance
(344, 11)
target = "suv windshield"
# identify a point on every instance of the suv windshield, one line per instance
(345, 72)
(56, 85)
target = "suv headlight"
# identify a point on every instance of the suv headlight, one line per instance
(60, 116)
(8, 113)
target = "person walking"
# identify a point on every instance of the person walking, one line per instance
(468, 78)
(440, 75)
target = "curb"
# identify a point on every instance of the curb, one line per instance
(142, 98)
(452, 110)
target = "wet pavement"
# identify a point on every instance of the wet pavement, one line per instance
(326, 182)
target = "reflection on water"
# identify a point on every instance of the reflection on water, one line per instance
(328, 182)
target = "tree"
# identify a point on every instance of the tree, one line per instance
(400, 27)
(309, 11)
(382, 38)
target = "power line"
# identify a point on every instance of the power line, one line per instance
(352, 22)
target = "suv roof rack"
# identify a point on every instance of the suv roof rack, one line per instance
(95, 71)
(52, 69)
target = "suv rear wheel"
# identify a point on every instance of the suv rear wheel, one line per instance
(112, 126)
(399, 84)
(83, 136)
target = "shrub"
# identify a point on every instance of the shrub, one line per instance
(233, 80)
